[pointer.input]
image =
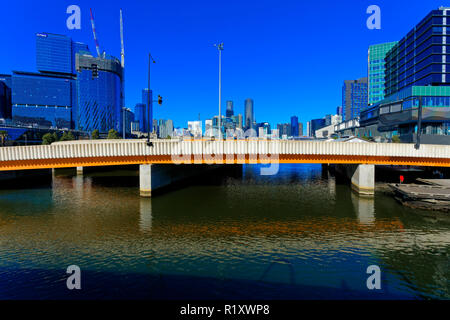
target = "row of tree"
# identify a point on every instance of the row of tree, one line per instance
(49, 138)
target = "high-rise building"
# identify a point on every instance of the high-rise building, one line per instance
(284, 130)
(339, 111)
(354, 98)
(300, 129)
(294, 126)
(5, 97)
(165, 128)
(229, 111)
(308, 128)
(249, 114)
(237, 120)
(416, 62)
(316, 124)
(195, 128)
(55, 53)
(140, 116)
(42, 99)
(149, 107)
(208, 128)
(416, 72)
(72, 90)
(376, 67)
(98, 89)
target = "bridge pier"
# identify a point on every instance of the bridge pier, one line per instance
(79, 171)
(362, 177)
(145, 180)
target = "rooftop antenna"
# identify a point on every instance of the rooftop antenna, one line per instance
(95, 34)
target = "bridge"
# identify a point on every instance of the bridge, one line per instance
(359, 158)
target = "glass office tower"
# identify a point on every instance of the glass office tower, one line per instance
(422, 57)
(53, 53)
(98, 88)
(5, 96)
(249, 115)
(229, 112)
(41, 100)
(354, 97)
(376, 56)
(417, 70)
(140, 116)
(294, 126)
(148, 107)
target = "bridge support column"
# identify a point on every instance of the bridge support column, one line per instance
(145, 180)
(80, 171)
(362, 177)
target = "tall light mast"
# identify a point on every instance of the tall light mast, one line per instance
(95, 34)
(122, 62)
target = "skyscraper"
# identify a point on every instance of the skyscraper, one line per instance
(140, 116)
(294, 126)
(5, 97)
(148, 106)
(354, 98)
(98, 88)
(229, 112)
(339, 111)
(376, 55)
(249, 115)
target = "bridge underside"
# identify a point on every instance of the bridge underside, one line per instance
(219, 159)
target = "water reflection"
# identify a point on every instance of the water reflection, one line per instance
(244, 234)
(145, 221)
(364, 208)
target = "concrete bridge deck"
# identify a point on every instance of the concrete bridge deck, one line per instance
(123, 152)
(356, 159)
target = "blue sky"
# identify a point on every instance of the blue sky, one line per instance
(290, 57)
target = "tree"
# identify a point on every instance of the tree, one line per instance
(113, 134)
(3, 136)
(67, 136)
(47, 139)
(396, 139)
(95, 134)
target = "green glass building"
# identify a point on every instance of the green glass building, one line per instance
(376, 67)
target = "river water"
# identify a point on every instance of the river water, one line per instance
(299, 234)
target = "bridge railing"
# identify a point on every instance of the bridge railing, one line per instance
(114, 148)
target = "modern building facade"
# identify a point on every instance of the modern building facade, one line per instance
(229, 112)
(294, 126)
(376, 67)
(140, 115)
(5, 97)
(417, 73)
(165, 128)
(98, 91)
(148, 101)
(42, 100)
(354, 97)
(72, 90)
(249, 114)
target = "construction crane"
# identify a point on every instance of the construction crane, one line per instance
(95, 34)
(122, 51)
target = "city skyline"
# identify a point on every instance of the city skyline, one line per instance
(195, 64)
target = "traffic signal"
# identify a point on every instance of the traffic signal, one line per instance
(159, 100)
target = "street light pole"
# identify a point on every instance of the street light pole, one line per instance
(150, 60)
(220, 48)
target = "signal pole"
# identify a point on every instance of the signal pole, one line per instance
(220, 48)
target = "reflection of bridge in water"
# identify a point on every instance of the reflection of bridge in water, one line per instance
(358, 158)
